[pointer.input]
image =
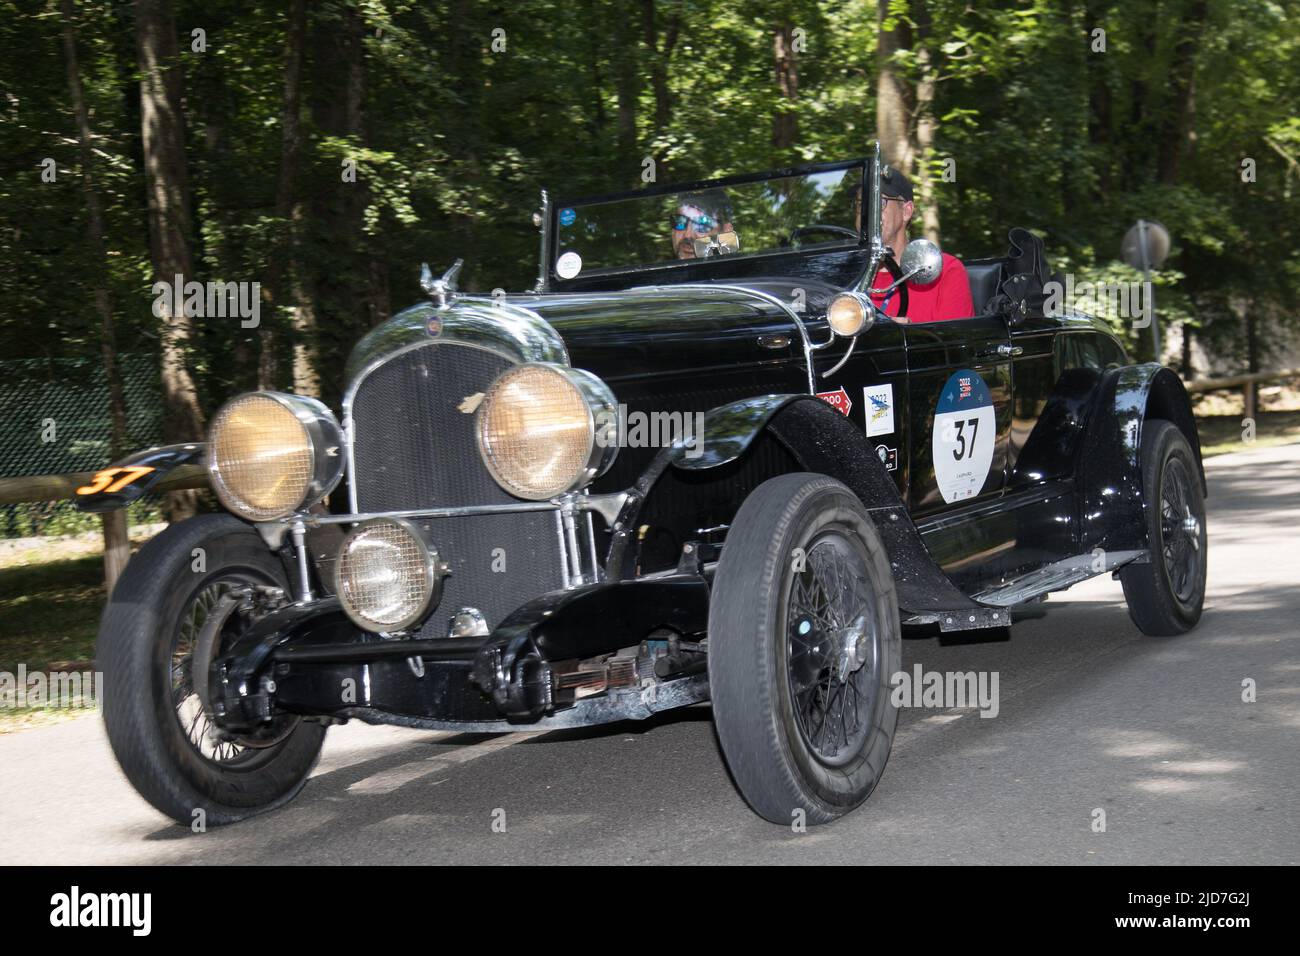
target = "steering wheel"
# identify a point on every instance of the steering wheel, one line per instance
(820, 227)
(895, 272)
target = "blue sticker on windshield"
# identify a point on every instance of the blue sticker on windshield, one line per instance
(567, 216)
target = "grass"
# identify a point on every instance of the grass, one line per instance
(51, 597)
(1222, 434)
(49, 613)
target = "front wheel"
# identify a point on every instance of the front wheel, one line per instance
(803, 640)
(153, 648)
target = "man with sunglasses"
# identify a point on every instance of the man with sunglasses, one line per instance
(698, 216)
(947, 297)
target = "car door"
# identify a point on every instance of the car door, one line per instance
(959, 390)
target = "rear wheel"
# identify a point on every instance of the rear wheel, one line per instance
(174, 610)
(1165, 595)
(803, 639)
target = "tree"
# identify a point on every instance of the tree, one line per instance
(163, 140)
(117, 543)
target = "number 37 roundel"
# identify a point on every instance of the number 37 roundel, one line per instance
(962, 439)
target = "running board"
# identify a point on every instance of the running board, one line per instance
(1058, 576)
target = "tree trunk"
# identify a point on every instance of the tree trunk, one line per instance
(284, 260)
(785, 128)
(925, 124)
(163, 143)
(660, 58)
(306, 376)
(117, 542)
(1252, 356)
(338, 109)
(1178, 129)
(894, 102)
(1099, 100)
(627, 88)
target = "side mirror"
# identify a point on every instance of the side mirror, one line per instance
(922, 262)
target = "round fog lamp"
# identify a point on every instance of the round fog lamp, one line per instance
(387, 578)
(848, 314)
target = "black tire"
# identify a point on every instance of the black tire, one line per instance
(768, 665)
(1166, 594)
(140, 653)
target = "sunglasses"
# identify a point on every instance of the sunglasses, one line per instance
(703, 223)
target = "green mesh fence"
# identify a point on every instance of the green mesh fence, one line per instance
(54, 421)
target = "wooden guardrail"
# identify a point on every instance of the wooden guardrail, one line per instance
(1245, 382)
(30, 489)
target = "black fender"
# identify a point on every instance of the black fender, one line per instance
(135, 476)
(1109, 463)
(821, 440)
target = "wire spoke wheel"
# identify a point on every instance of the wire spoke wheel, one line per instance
(195, 722)
(829, 624)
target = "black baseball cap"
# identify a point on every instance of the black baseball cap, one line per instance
(895, 185)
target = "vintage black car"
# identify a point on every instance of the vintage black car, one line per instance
(695, 463)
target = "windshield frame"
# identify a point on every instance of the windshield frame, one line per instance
(552, 282)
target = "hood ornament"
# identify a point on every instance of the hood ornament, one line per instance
(442, 290)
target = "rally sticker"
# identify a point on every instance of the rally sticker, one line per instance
(567, 216)
(962, 442)
(879, 409)
(568, 265)
(838, 400)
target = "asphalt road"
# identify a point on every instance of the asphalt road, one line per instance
(1092, 715)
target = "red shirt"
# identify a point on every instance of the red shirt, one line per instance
(947, 297)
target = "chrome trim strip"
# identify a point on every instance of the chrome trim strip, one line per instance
(565, 581)
(313, 520)
(574, 552)
(764, 296)
(304, 575)
(591, 547)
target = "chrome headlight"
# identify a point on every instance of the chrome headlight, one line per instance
(387, 578)
(850, 314)
(547, 429)
(270, 454)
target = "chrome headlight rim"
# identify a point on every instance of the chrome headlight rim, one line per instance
(865, 307)
(433, 574)
(601, 448)
(324, 439)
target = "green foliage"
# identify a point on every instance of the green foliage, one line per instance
(453, 139)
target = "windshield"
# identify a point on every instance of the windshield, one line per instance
(756, 216)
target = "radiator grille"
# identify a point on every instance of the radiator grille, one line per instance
(414, 448)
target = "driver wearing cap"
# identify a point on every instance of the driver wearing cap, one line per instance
(947, 297)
